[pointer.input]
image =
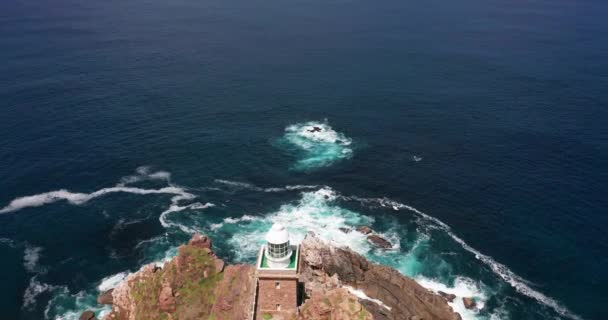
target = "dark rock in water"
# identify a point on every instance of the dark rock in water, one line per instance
(87, 315)
(106, 297)
(346, 230)
(448, 296)
(379, 241)
(315, 129)
(364, 229)
(469, 303)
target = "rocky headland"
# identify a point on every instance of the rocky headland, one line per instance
(337, 284)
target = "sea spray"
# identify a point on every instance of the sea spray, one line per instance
(318, 211)
(316, 144)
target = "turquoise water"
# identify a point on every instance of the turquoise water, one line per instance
(471, 135)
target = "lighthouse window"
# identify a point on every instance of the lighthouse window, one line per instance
(278, 250)
(277, 285)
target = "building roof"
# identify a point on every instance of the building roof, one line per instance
(278, 234)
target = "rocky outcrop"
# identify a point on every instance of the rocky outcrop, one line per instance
(379, 242)
(339, 284)
(469, 303)
(372, 237)
(106, 297)
(388, 294)
(335, 304)
(234, 294)
(448, 296)
(193, 285)
(364, 229)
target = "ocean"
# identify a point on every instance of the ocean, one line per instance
(471, 135)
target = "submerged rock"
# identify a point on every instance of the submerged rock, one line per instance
(469, 303)
(315, 129)
(379, 241)
(346, 230)
(364, 229)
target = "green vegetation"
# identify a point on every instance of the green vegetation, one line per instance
(267, 316)
(193, 279)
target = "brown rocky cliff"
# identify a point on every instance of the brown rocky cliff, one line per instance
(193, 285)
(198, 285)
(401, 297)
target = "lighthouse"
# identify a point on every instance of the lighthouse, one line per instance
(277, 275)
(278, 251)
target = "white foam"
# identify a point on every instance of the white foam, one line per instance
(320, 144)
(111, 282)
(81, 198)
(82, 301)
(252, 187)
(517, 282)
(31, 256)
(143, 174)
(313, 212)
(175, 207)
(35, 288)
(463, 288)
(326, 133)
(7, 242)
(361, 295)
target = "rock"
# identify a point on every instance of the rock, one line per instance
(346, 230)
(403, 296)
(106, 297)
(87, 315)
(448, 296)
(200, 241)
(234, 293)
(219, 265)
(469, 303)
(364, 229)
(335, 304)
(166, 300)
(315, 129)
(379, 241)
(416, 318)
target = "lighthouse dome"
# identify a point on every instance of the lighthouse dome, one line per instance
(278, 234)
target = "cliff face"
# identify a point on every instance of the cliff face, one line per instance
(339, 284)
(383, 291)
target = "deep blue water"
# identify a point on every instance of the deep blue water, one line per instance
(489, 116)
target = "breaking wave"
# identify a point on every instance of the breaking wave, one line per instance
(317, 211)
(36, 288)
(252, 187)
(517, 282)
(317, 144)
(76, 198)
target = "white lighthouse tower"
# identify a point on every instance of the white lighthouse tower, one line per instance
(278, 251)
(277, 276)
